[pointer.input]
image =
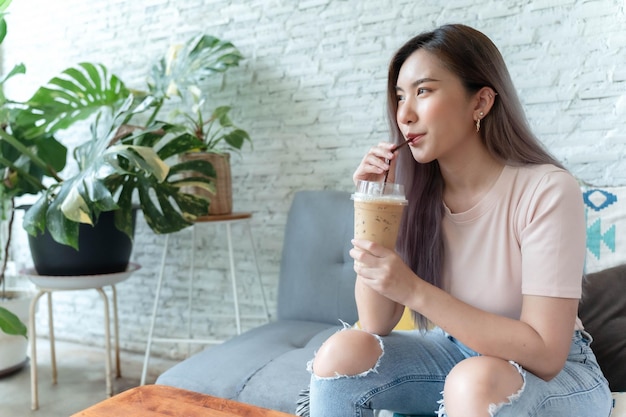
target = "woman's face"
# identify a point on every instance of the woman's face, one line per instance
(434, 109)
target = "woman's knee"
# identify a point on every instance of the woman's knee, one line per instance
(478, 385)
(347, 353)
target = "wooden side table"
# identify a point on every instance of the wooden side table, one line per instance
(227, 220)
(161, 400)
(47, 285)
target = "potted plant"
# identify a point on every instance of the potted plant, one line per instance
(217, 135)
(121, 158)
(220, 137)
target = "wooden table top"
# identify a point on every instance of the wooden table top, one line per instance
(161, 400)
(223, 217)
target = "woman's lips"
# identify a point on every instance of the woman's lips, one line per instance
(414, 138)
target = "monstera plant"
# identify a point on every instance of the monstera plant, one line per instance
(114, 160)
(170, 78)
(194, 111)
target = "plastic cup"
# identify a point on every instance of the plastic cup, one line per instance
(378, 208)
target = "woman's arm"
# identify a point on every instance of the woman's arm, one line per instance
(539, 340)
(377, 313)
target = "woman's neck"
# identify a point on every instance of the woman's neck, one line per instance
(467, 180)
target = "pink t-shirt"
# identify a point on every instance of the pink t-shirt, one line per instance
(526, 236)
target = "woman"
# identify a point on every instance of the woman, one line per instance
(491, 254)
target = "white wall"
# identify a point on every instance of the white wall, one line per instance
(311, 93)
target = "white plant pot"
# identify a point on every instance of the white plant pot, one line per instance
(13, 349)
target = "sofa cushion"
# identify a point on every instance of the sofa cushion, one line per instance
(317, 276)
(603, 313)
(265, 366)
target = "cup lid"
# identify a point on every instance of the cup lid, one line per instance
(369, 190)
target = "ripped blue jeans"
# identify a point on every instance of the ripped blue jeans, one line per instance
(410, 375)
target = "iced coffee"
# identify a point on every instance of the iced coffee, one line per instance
(378, 208)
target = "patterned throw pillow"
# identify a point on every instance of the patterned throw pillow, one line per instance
(605, 210)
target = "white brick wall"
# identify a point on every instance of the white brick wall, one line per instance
(311, 93)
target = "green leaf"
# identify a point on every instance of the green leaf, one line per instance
(164, 218)
(17, 69)
(180, 145)
(226, 131)
(3, 28)
(221, 114)
(62, 229)
(124, 216)
(237, 138)
(74, 207)
(97, 198)
(195, 165)
(186, 66)
(11, 324)
(51, 151)
(74, 95)
(189, 177)
(200, 182)
(190, 203)
(4, 4)
(34, 221)
(46, 213)
(141, 157)
(149, 136)
(17, 182)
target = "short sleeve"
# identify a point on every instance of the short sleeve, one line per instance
(553, 238)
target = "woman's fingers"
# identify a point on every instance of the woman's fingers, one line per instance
(374, 164)
(370, 247)
(379, 165)
(367, 254)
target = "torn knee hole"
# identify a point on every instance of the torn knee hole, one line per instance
(494, 408)
(348, 353)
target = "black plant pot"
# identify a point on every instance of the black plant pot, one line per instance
(103, 249)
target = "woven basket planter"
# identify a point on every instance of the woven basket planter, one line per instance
(222, 201)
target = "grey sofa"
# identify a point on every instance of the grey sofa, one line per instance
(266, 366)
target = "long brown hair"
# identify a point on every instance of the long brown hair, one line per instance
(505, 132)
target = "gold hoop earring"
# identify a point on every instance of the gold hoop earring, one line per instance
(481, 114)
